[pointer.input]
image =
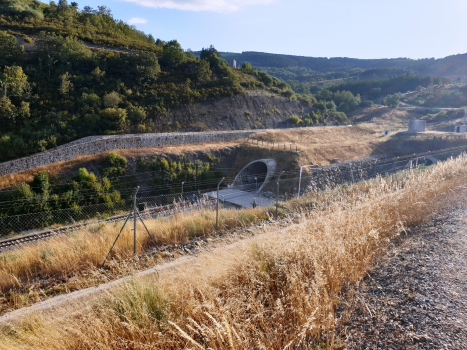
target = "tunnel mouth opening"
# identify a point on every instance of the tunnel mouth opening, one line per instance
(252, 177)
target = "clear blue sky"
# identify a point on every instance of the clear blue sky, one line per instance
(330, 28)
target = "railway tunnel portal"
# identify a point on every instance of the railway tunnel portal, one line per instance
(247, 185)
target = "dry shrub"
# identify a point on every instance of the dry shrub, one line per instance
(63, 256)
(275, 291)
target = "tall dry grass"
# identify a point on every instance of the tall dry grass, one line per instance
(64, 256)
(275, 291)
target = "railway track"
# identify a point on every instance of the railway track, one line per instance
(167, 210)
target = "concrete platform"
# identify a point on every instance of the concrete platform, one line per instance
(240, 198)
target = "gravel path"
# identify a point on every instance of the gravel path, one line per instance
(416, 297)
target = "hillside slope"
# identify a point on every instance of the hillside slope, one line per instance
(251, 110)
(94, 25)
(302, 72)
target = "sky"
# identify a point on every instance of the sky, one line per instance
(330, 28)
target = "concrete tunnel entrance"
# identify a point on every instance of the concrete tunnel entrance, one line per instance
(254, 176)
(248, 184)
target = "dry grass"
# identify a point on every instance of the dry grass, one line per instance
(275, 291)
(64, 256)
(321, 145)
(70, 167)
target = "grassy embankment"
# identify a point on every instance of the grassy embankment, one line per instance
(65, 256)
(275, 291)
(322, 145)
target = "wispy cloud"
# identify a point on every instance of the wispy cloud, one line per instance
(201, 5)
(137, 20)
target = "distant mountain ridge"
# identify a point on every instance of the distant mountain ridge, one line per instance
(428, 66)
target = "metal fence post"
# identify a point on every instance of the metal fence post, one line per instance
(217, 205)
(299, 181)
(134, 222)
(277, 199)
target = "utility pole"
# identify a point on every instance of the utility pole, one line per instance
(277, 197)
(217, 205)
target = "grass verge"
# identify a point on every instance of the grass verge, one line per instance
(64, 256)
(277, 290)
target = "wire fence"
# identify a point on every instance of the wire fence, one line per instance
(292, 184)
(320, 178)
(78, 216)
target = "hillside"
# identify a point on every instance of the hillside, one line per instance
(57, 87)
(303, 73)
(92, 25)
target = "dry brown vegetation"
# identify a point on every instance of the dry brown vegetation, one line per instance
(322, 145)
(64, 256)
(275, 291)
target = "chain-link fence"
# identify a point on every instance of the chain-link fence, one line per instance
(320, 178)
(292, 183)
(114, 211)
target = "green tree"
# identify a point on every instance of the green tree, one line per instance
(136, 114)
(63, 50)
(393, 101)
(112, 99)
(204, 71)
(114, 118)
(211, 51)
(23, 191)
(115, 165)
(190, 54)
(173, 54)
(66, 85)
(148, 68)
(40, 183)
(14, 82)
(90, 100)
(8, 48)
(248, 69)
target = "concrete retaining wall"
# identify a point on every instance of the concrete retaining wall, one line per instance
(97, 144)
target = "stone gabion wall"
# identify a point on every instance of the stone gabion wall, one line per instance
(330, 176)
(97, 144)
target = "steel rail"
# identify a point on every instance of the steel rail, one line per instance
(29, 238)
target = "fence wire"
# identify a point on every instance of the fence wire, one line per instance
(312, 179)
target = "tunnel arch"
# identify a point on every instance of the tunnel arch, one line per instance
(254, 175)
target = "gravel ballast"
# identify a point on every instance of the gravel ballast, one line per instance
(416, 296)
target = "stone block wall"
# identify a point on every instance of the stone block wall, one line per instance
(97, 144)
(330, 176)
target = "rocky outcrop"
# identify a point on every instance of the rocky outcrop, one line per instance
(252, 110)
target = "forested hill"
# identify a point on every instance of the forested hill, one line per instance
(443, 67)
(92, 25)
(320, 64)
(313, 73)
(55, 89)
